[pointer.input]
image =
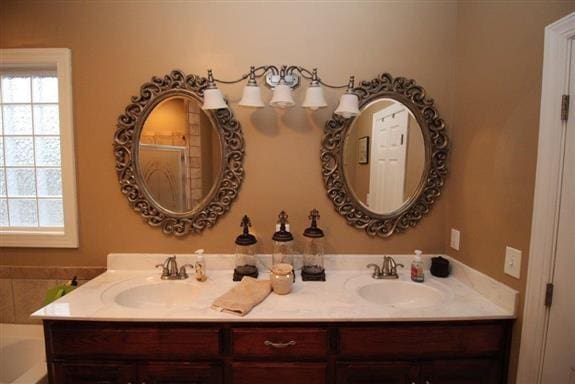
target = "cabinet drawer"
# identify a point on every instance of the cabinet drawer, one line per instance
(279, 342)
(284, 373)
(132, 341)
(397, 341)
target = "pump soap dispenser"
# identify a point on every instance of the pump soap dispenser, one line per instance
(200, 266)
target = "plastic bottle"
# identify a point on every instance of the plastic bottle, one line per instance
(417, 268)
(200, 266)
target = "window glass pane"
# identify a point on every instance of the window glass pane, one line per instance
(21, 182)
(48, 151)
(22, 213)
(49, 182)
(2, 182)
(51, 213)
(17, 119)
(45, 89)
(15, 89)
(46, 119)
(19, 151)
(1, 151)
(1, 122)
(3, 213)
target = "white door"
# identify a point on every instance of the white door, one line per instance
(387, 158)
(559, 355)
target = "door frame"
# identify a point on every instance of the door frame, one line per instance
(546, 199)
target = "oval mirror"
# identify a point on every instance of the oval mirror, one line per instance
(180, 167)
(179, 154)
(384, 168)
(384, 156)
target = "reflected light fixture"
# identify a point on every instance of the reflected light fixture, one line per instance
(282, 81)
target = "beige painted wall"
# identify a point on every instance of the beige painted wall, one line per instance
(116, 47)
(498, 90)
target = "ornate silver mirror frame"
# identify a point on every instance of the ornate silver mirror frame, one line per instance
(436, 142)
(126, 152)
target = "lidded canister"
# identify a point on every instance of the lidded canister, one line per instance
(313, 269)
(246, 252)
(282, 242)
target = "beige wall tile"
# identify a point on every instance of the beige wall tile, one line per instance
(28, 297)
(6, 301)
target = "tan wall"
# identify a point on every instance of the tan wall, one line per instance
(497, 93)
(117, 46)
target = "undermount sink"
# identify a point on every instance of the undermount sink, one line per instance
(153, 293)
(398, 293)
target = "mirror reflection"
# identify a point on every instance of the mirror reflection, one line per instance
(179, 154)
(384, 155)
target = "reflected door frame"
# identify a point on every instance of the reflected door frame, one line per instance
(392, 194)
(547, 198)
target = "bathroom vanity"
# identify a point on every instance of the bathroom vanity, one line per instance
(122, 328)
(302, 352)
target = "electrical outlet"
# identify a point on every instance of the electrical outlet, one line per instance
(512, 262)
(455, 234)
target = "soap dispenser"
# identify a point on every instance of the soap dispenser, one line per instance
(313, 269)
(283, 242)
(417, 268)
(246, 259)
(200, 266)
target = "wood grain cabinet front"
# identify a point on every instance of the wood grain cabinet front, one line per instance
(457, 352)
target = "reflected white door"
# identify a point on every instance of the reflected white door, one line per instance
(387, 158)
(559, 356)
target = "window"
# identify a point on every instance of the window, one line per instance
(37, 172)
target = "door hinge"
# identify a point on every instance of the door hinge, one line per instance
(549, 294)
(564, 107)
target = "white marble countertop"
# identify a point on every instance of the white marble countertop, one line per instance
(468, 295)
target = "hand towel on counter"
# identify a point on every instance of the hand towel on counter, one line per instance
(243, 297)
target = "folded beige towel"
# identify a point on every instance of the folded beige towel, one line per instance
(243, 297)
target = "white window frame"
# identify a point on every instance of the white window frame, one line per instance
(43, 237)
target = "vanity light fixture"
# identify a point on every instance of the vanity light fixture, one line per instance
(282, 82)
(213, 98)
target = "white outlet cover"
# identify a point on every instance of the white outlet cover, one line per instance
(512, 262)
(455, 235)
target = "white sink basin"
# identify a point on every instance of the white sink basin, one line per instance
(153, 293)
(398, 293)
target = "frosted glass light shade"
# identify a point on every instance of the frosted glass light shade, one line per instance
(252, 97)
(282, 97)
(314, 98)
(213, 99)
(348, 105)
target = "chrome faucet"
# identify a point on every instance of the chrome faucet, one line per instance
(387, 271)
(170, 269)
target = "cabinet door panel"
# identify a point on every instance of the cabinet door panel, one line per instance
(377, 373)
(180, 373)
(461, 372)
(279, 373)
(92, 373)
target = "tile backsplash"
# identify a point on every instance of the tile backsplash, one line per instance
(22, 289)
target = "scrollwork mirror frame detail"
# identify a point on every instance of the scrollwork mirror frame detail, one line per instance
(126, 142)
(408, 92)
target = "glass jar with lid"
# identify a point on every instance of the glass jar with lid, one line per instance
(313, 269)
(283, 242)
(246, 252)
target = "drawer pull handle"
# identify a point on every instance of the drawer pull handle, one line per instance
(279, 345)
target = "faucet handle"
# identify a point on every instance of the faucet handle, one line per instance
(376, 270)
(183, 273)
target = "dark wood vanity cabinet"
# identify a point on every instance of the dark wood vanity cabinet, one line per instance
(458, 352)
